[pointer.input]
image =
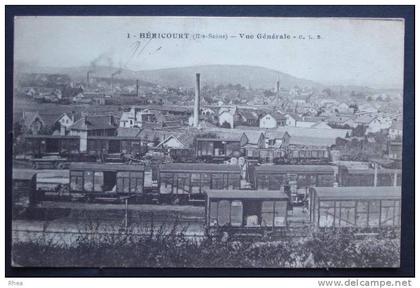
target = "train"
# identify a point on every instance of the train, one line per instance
(176, 183)
(186, 183)
(57, 151)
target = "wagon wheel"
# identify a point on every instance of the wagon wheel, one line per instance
(59, 165)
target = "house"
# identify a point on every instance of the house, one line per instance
(343, 108)
(64, 122)
(291, 119)
(273, 120)
(274, 139)
(253, 138)
(321, 124)
(93, 126)
(373, 124)
(313, 121)
(227, 117)
(171, 142)
(137, 117)
(246, 117)
(396, 130)
(368, 108)
(32, 123)
(395, 150)
(342, 121)
(133, 132)
(177, 141)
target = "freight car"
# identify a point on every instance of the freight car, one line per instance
(25, 197)
(289, 156)
(24, 188)
(246, 212)
(266, 155)
(356, 176)
(216, 150)
(307, 156)
(360, 207)
(294, 180)
(182, 155)
(57, 151)
(92, 180)
(187, 182)
(177, 182)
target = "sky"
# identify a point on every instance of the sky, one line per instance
(350, 51)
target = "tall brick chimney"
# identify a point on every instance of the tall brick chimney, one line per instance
(197, 100)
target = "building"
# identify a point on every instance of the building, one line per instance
(291, 119)
(227, 117)
(32, 123)
(394, 150)
(64, 122)
(273, 120)
(246, 117)
(253, 139)
(93, 126)
(396, 130)
(179, 141)
(373, 124)
(137, 117)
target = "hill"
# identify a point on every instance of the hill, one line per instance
(256, 77)
(248, 76)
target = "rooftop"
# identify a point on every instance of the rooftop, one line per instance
(94, 123)
(245, 194)
(199, 167)
(106, 167)
(352, 193)
(324, 169)
(23, 174)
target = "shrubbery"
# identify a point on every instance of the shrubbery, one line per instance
(340, 248)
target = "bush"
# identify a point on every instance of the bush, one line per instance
(331, 248)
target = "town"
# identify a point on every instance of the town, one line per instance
(227, 159)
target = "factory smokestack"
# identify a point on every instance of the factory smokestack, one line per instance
(197, 100)
(278, 91)
(137, 88)
(88, 78)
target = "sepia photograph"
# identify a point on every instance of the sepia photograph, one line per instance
(207, 142)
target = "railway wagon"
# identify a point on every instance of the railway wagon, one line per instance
(246, 212)
(187, 182)
(266, 155)
(23, 190)
(40, 145)
(216, 149)
(52, 151)
(349, 176)
(113, 148)
(307, 156)
(95, 180)
(360, 207)
(294, 180)
(183, 155)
